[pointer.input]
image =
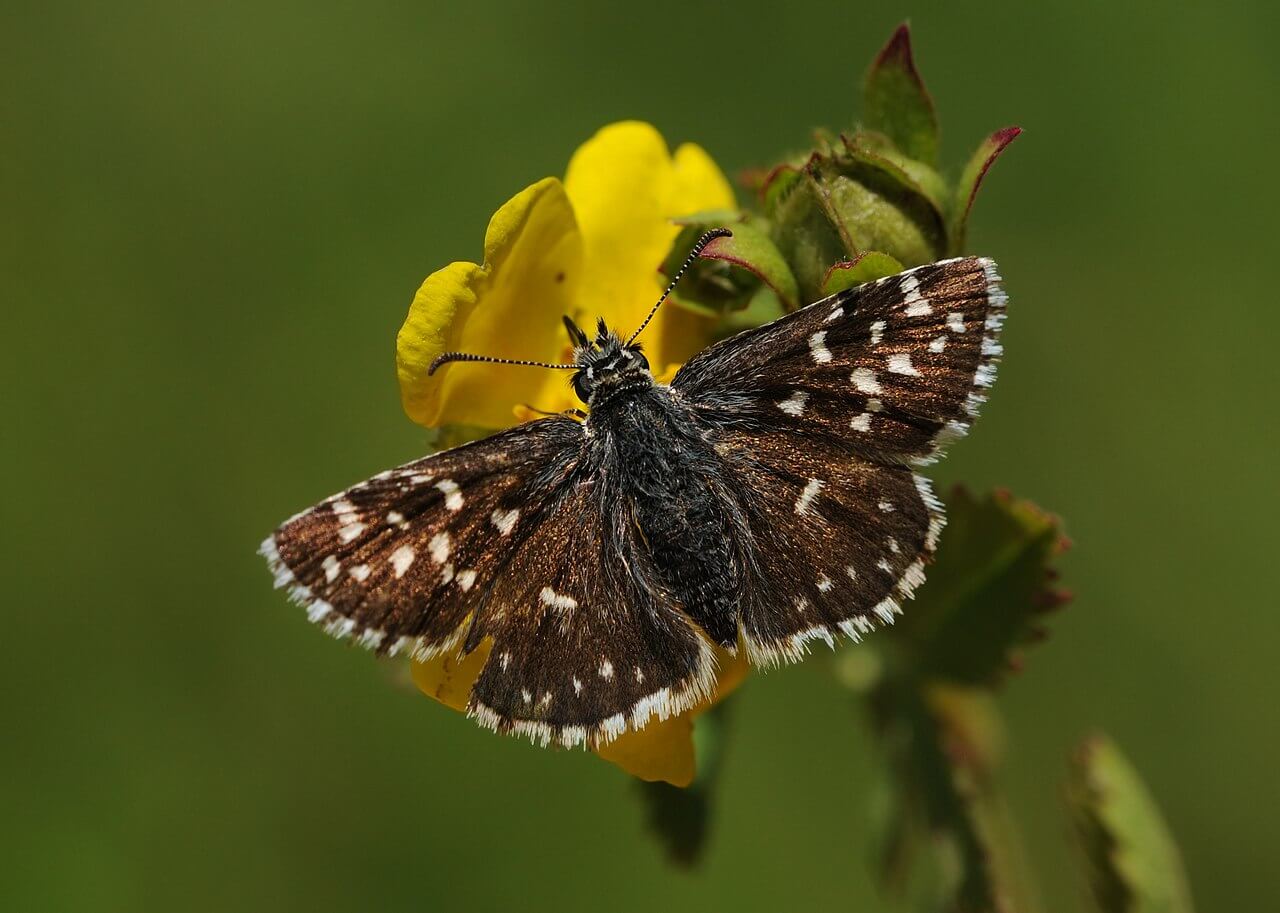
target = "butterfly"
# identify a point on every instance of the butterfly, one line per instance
(763, 500)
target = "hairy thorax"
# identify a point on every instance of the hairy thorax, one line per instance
(654, 453)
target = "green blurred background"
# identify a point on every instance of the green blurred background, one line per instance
(214, 216)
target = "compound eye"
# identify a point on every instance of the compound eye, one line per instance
(581, 387)
(644, 362)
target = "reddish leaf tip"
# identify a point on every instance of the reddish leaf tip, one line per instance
(1005, 135)
(897, 48)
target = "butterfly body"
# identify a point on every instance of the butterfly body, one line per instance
(763, 500)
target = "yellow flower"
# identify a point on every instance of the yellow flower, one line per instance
(588, 247)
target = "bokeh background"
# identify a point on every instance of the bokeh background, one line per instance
(214, 216)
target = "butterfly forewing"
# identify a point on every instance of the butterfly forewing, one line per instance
(896, 368)
(400, 561)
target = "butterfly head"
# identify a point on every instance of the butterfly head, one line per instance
(605, 364)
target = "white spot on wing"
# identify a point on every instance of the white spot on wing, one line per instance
(955, 322)
(877, 332)
(350, 531)
(556, 600)
(331, 568)
(440, 548)
(938, 344)
(818, 347)
(864, 380)
(401, 558)
(394, 517)
(360, 573)
(915, 304)
(466, 579)
(824, 584)
(504, 520)
(810, 492)
(452, 497)
(900, 363)
(606, 670)
(861, 422)
(835, 314)
(794, 404)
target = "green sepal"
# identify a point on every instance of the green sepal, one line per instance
(895, 101)
(731, 269)
(865, 267)
(923, 179)
(966, 190)
(764, 306)
(1131, 861)
(834, 208)
(803, 227)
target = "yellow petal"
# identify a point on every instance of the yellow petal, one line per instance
(626, 188)
(449, 679)
(510, 308)
(699, 183)
(663, 750)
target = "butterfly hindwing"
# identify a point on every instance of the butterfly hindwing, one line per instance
(841, 541)
(894, 368)
(583, 645)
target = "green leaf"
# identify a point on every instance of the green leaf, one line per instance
(680, 818)
(896, 103)
(863, 268)
(1132, 862)
(987, 591)
(971, 179)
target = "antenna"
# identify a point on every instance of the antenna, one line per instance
(576, 335)
(702, 242)
(467, 356)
